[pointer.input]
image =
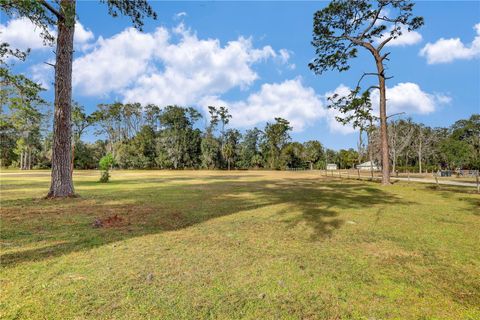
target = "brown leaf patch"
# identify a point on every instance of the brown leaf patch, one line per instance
(108, 222)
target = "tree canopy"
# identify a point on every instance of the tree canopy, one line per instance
(343, 27)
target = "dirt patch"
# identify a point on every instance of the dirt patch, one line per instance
(109, 222)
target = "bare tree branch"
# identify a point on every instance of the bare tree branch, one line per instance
(395, 114)
(52, 9)
(374, 20)
(383, 43)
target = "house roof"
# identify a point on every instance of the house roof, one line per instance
(367, 164)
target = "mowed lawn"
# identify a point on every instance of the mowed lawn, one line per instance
(237, 245)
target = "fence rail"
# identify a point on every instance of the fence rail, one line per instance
(433, 179)
(469, 178)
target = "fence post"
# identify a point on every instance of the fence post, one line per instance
(478, 185)
(408, 175)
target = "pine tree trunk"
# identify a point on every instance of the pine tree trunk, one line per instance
(370, 153)
(360, 145)
(21, 160)
(420, 163)
(61, 182)
(29, 166)
(383, 122)
(420, 157)
(394, 162)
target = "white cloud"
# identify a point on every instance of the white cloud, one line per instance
(194, 68)
(180, 15)
(22, 34)
(331, 113)
(43, 74)
(290, 100)
(284, 57)
(448, 50)
(115, 62)
(442, 98)
(404, 97)
(168, 67)
(408, 97)
(303, 107)
(407, 38)
(82, 36)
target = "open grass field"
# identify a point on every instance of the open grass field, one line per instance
(237, 245)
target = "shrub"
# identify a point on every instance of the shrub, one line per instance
(105, 176)
(106, 162)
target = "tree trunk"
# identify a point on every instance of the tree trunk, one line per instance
(29, 166)
(420, 162)
(420, 157)
(61, 182)
(406, 161)
(228, 163)
(21, 160)
(394, 160)
(359, 146)
(383, 122)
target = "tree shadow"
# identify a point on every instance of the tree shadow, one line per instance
(320, 207)
(151, 209)
(448, 190)
(474, 204)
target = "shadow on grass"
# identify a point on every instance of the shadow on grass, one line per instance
(154, 208)
(449, 190)
(474, 203)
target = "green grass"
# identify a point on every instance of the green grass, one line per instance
(250, 245)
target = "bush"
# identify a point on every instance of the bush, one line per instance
(105, 176)
(105, 164)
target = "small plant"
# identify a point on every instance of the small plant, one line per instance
(105, 164)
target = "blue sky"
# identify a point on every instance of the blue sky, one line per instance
(253, 57)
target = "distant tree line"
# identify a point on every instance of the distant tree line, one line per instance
(151, 137)
(416, 147)
(62, 15)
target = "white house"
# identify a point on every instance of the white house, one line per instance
(332, 166)
(366, 166)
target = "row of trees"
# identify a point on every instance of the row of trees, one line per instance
(168, 138)
(62, 15)
(21, 118)
(148, 136)
(416, 147)
(340, 29)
